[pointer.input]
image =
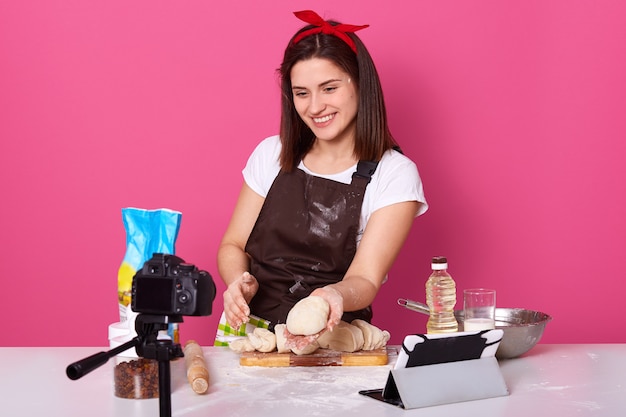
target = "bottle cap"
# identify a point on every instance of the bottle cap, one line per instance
(439, 263)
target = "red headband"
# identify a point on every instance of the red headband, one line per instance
(323, 26)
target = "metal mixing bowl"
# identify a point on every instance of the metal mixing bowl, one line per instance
(522, 330)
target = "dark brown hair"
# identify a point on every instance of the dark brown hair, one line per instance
(373, 137)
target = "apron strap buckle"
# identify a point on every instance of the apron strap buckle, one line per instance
(365, 170)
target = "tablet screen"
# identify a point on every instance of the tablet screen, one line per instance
(430, 349)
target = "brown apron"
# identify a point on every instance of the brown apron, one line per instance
(305, 238)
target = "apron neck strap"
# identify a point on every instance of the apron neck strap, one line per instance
(365, 170)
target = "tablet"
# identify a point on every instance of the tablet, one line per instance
(440, 348)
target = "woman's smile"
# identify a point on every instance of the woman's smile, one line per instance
(324, 119)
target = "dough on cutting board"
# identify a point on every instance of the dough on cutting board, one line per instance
(308, 316)
(279, 331)
(241, 345)
(373, 337)
(308, 349)
(345, 337)
(262, 340)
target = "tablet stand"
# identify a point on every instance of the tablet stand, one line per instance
(445, 383)
(443, 370)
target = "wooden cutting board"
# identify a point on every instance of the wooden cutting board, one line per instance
(321, 357)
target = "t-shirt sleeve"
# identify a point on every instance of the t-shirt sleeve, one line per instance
(263, 166)
(399, 181)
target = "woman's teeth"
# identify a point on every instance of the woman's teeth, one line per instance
(323, 119)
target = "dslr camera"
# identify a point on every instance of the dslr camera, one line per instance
(168, 286)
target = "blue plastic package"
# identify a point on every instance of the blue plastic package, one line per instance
(147, 232)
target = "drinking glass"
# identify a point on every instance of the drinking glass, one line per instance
(479, 306)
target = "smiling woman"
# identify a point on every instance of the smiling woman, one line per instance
(318, 198)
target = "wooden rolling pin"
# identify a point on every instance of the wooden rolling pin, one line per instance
(197, 371)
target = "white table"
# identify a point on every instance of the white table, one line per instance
(551, 380)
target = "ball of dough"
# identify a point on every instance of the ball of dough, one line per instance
(309, 316)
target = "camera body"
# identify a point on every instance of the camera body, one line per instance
(166, 285)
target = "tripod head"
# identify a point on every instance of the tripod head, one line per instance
(146, 344)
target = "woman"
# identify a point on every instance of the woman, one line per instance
(327, 204)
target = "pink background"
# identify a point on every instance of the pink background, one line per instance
(513, 111)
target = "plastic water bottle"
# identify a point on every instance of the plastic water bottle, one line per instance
(441, 298)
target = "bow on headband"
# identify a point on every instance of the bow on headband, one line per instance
(309, 16)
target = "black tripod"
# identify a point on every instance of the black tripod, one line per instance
(147, 346)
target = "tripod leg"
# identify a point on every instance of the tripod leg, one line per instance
(165, 391)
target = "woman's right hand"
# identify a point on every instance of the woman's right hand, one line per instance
(236, 299)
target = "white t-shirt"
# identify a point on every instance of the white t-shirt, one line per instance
(395, 180)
